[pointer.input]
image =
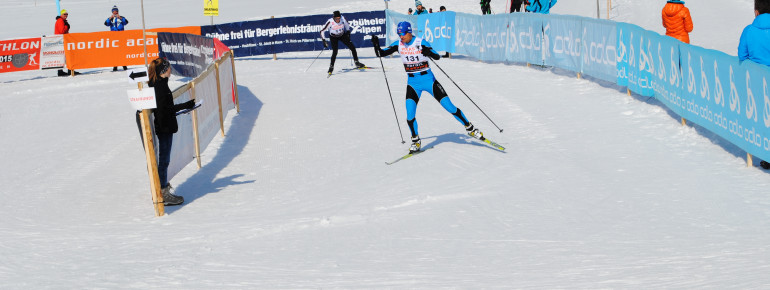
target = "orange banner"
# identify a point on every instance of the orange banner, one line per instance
(19, 54)
(114, 48)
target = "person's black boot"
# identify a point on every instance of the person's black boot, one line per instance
(169, 198)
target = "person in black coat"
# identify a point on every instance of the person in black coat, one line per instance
(165, 123)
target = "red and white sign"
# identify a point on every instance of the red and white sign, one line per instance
(142, 99)
(52, 52)
(19, 54)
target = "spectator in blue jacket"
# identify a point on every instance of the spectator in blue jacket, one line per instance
(541, 6)
(755, 41)
(116, 23)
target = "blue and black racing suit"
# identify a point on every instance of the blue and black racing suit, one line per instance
(415, 55)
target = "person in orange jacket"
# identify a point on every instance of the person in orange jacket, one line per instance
(677, 20)
(63, 27)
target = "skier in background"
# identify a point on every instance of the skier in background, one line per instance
(414, 53)
(116, 22)
(541, 6)
(339, 30)
(677, 20)
(165, 123)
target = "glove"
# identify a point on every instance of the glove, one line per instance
(427, 51)
(325, 44)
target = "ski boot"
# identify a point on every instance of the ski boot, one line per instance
(416, 145)
(331, 69)
(360, 65)
(169, 198)
(473, 132)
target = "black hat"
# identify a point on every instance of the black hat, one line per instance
(337, 14)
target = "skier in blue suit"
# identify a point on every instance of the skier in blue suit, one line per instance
(541, 6)
(414, 53)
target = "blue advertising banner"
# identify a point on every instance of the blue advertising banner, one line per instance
(599, 49)
(562, 40)
(727, 97)
(525, 41)
(189, 54)
(438, 29)
(634, 61)
(392, 20)
(291, 33)
(667, 82)
(494, 39)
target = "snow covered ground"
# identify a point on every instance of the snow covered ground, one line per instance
(595, 190)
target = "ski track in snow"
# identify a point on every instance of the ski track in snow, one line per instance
(596, 189)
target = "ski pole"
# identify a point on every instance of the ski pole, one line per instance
(316, 58)
(466, 95)
(391, 101)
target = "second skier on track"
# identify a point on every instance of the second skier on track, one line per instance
(339, 30)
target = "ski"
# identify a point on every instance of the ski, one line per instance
(493, 144)
(408, 155)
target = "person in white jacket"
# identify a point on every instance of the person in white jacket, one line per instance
(339, 30)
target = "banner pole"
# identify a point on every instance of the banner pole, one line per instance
(219, 99)
(196, 136)
(235, 83)
(144, 37)
(597, 10)
(58, 7)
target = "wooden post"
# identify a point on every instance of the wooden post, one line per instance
(235, 84)
(219, 100)
(684, 121)
(749, 161)
(628, 91)
(152, 164)
(609, 7)
(196, 137)
(578, 75)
